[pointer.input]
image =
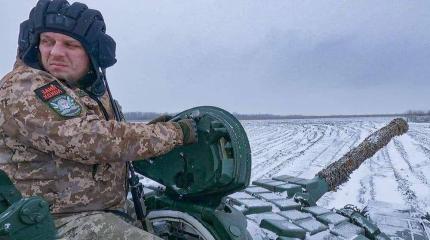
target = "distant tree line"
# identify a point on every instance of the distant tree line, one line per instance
(417, 116)
(146, 116)
(264, 116)
(417, 112)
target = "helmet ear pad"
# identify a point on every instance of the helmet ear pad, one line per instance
(25, 37)
(107, 46)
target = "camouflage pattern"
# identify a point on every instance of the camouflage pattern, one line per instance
(99, 225)
(339, 171)
(77, 164)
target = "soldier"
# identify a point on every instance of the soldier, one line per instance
(59, 137)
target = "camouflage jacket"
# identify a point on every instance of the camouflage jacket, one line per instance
(56, 143)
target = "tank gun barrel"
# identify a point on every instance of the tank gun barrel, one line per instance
(339, 171)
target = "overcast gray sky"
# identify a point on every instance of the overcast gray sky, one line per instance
(269, 56)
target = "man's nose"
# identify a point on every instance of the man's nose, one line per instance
(57, 50)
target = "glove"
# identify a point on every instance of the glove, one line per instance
(189, 130)
(162, 118)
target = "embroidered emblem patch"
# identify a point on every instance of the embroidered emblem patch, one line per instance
(65, 106)
(57, 99)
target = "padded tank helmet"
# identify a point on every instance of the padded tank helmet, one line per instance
(77, 21)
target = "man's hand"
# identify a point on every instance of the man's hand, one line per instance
(189, 130)
(188, 127)
(162, 118)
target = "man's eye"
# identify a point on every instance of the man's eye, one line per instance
(72, 45)
(44, 41)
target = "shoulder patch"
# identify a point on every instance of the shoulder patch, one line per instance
(49, 91)
(54, 95)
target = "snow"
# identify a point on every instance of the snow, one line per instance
(399, 173)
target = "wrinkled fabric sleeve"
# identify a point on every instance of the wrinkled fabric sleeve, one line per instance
(86, 138)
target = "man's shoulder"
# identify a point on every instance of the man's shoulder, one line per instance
(33, 92)
(24, 78)
(18, 89)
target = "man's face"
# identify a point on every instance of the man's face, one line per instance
(64, 57)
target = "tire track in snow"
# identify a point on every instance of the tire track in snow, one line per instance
(301, 149)
(403, 185)
(273, 140)
(422, 142)
(367, 183)
(280, 150)
(333, 146)
(278, 156)
(405, 157)
(264, 138)
(424, 150)
(421, 137)
(398, 171)
(351, 143)
(279, 165)
(283, 155)
(313, 160)
(367, 190)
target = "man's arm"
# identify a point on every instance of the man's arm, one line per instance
(85, 138)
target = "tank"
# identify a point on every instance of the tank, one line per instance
(282, 207)
(205, 193)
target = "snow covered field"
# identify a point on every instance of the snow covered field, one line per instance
(398, 173)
